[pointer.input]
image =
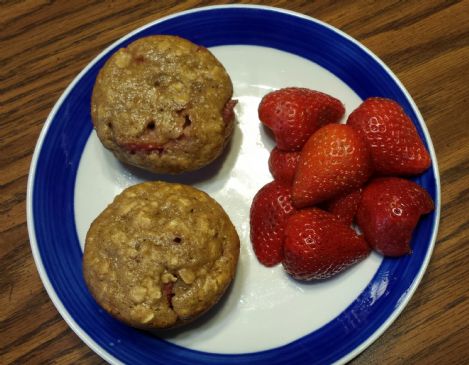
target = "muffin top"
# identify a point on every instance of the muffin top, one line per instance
(164, 104)
(160, 255)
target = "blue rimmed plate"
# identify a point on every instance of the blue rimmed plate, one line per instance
(265, 318)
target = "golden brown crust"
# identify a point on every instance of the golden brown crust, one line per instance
(158, 104)
(160, 255)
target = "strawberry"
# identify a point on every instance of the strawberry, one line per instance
(334, 161)
(294, 113)
(389, 210)
(282, 165)
(269, 210)
(318, 245)
(395, 146)
(345, 206)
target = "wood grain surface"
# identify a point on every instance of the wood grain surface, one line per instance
(43, 46)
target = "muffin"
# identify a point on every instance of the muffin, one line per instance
(160, 255)
(163, 104)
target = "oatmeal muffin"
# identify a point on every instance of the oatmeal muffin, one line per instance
(160, 255)
(163, 104)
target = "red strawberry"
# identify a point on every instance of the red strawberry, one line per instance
(334, 161)
(395, 146)
(282, 165)
(294, 113)
(270, 208)
(318, 245)
(389, 211)
(345, 206)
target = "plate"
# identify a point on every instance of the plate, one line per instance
(266, 317)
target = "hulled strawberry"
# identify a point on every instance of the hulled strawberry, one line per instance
(270, 208)
(334, 161)
(395, 146)
(318, 246)
(389, 211)
(282, 165)
(294, 113)
(345, 207)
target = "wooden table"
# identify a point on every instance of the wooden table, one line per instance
(45, 44)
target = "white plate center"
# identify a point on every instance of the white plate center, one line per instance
(264, 308)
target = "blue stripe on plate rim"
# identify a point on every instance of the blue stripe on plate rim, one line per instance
(347, 329)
